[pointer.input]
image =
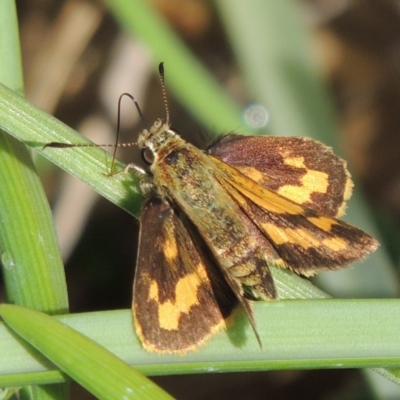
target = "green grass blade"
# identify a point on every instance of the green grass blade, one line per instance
(36, 128)
(99, 371)
(295, 335)
(11, 71)
(32, 266)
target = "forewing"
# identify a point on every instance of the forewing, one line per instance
(301, 169)
(180, 297)
(307, 241)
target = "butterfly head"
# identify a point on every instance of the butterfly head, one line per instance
(153, 139)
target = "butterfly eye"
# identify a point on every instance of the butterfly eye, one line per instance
(148, 156)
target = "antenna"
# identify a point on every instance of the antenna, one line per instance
(164, 91)
(115, 145)
(60, 145)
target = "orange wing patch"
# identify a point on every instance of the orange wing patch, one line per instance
(311, 182)
(170, 249)
(186, 289)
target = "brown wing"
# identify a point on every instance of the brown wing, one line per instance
(301, 169)
(180, 297)
(307, 241)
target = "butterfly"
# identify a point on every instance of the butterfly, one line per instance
(216, 221)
